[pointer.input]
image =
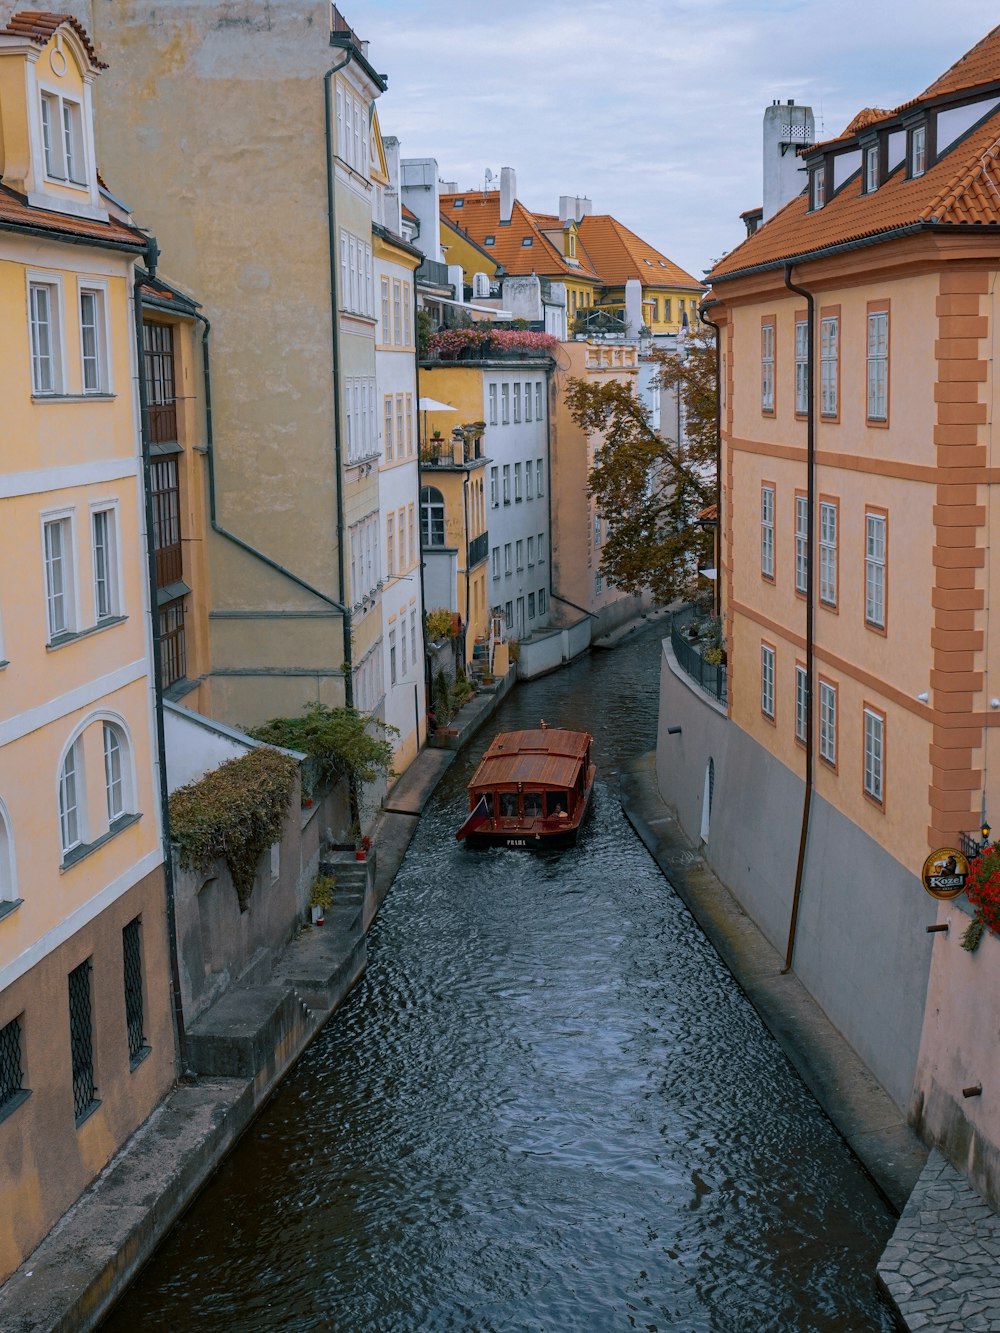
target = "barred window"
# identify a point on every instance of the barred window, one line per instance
(11, 1068)
(132, 960)
(81, 1043)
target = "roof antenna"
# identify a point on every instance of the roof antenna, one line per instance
(488, 181)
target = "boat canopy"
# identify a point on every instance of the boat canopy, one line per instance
(546, 758)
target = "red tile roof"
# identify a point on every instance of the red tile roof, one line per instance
(38, 25)
(619, 254)
(479, 215)
(978, 66)
(15, 212)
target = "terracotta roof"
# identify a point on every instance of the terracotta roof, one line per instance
(963, 187)
(980, 65)
(479, 215)
(618, 254)
(409, 214)
(39, 26)
(16, 213)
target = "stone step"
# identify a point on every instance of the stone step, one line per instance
(249, 1030)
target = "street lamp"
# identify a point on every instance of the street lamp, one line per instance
(985, 833)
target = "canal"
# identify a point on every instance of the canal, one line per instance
(547, 1106)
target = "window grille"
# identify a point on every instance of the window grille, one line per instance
(81, 1042)
(132, 954)
(11, 1072)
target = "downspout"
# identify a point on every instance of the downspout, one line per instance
(335, 347)
(810, 613)
(423, 594)
(548, 464)
(468, 569)
(176, 993)
(718, 460)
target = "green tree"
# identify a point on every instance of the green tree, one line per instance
(651, 488)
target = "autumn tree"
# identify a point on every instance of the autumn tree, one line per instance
(649, 487)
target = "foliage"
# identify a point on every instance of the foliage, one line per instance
(442, 698)
(651, 488)
(519, 323)
(341, 741)
(322, 892)
(424, 325)
(461, 691)
(594, 320)
(982, 888)
(438, 623)
(714, 656)
(451, 343)
(235, 813)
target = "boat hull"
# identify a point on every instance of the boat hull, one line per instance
(537, 836)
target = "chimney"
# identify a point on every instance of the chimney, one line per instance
(787, 128)
(573, 208)
(508, 193)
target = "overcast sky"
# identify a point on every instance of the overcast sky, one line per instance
(653, 108)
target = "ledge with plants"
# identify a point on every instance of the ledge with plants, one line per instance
(340, 742)
(982, 888)
(453, 344)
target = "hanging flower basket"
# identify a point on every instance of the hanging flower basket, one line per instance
(982, 888)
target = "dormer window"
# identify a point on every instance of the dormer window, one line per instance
(62, 139)
(527, 240)
(918, 150)
(871, 169)
(817, 187)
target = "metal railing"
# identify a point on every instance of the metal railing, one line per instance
(81, 1042)
(479, 549)
(435, 273)
(711, 676)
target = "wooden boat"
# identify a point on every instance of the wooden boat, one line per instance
(532, 789)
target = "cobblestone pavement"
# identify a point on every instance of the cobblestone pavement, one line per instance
(942, 1267)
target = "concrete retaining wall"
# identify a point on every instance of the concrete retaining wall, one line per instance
(861, 948)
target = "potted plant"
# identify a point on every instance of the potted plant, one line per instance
(363, 848)
(321, 898)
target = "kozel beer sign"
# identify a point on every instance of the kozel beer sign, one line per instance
(945, 872)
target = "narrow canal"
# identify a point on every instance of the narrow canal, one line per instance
(547, 1106)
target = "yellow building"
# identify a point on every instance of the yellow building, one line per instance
(87, 1044)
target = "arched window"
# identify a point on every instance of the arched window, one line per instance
(8, 879)
(431, 517)
(71, 798)
(117, 772)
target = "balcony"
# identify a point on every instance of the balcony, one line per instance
(478, 549)
(431, 273)
(691, 636)
(163, 423)
(169, 565)
(463, 448)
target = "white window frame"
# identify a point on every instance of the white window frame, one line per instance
(118, 786)
(101, 381)
(828, 537)
(876, 534)
(519, 554)
(539, 491)
(767, 680)
(829, 364)
(527, 401)
(801, 366)
(69, 591)
(64, 143)
(505, 404)
(8, 859)
(828, 722)
(802, 544)
(538, 400)
(108, 511)
(767, 532)
(541, 548)
(56, 327)
(495, 486)
(531, 552)
(507, 565)
(801, 705)
(767, 368)
(517, 402)
(388, 408)
(529, 481)
(818, 187)
(493, 404)
(392, 657)
(918, 151)
(72, 789)
(874, 755)
(871, 169)
(495, 561)
(506, 483)
(878, 365)
(517, 483)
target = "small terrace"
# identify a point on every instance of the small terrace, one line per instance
(696, 639)
(463, 448)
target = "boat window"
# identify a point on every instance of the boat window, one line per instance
(488, 798)
(532, 804)
(508, 804)
(557, 803)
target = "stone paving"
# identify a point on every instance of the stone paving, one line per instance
(942, 1267)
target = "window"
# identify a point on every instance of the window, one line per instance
(519, 552)
(413, 636)
(506, 483)
(93, 341)
(62, 139)
(531, 551)
(70, 796)
(173, 650)
(531, 606)
(392, 657)
(878, 365)
(527, 241)
(493, 404)
(871, 169)
(667, 309)
(527, 402)
(875, 526)
(767, 367)
(46, 361)
(517, 401)
(158, 359)
(357, 289)
(106, 602)
(387, 429)
(829, 364)
(494, 485)
(81, 1043)
(386, 326)
(505, 403)
(597, 529)
(538, 479)
(431, 517)
(817, 184)
(402, 646)
(508, 614)
(598, 583)
(115, 772)
(165, 495)
(8, 886)
(407, 315)
(828, 553)
(495, 561)
(529, 483)
(59, 600)
(654, 310)
(538, 401)
(801, 544)
(400, 422)
(801, 702)
(767, 680)
(397, 312)
(411, 544)
(132, 969)
(390, 545)
(874, 754)
(801, 367)
(11, 1067)
(828, 722)
(541, 547)
(541, 601)
(767, 531)
(507, 567)
(918, 151)
(352, 130)
(517, 482)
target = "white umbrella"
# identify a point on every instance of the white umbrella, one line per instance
(432, 405)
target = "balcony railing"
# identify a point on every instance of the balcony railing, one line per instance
(162, 423)
(451, 452)
(433, 273)
(711, 676)
(479, 549)
(169, 565)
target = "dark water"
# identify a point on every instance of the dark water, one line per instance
(546, 1107)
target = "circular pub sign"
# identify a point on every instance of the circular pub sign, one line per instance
(945, 872)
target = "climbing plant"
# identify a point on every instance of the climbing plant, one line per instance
(341, 741)
(234, 813)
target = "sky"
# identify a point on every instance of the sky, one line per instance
(652, 108)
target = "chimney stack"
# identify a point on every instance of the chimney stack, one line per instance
(574, 208)
(787, 128)
(508, 193)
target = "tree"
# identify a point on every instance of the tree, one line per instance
(650, 488)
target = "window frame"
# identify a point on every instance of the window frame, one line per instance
(829, 503)
(505, 403)
(829, 381)
(108, 510)
(123, 780)
(52, 284)
(801, 702)
(768, 364)
(72, 807)
(826, 706)
(917, 151)
(54, 154)
(801, 543)
(65, 519)
(875, 310)
(768, 665)
(874, 562)
(872, 178)
(801, 364)
(876, 715)
(98, 290)
(768, 492)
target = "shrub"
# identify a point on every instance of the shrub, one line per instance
(438, 623)
(342, 742)
(234, 814)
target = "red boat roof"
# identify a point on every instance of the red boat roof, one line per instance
(549, 757)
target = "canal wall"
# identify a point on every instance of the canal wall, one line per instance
(862, 949)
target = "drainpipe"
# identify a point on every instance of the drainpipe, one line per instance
(810, 612)
(468, 570)
(176, 994)
(335, 346)
(428, 683)
(718, 459)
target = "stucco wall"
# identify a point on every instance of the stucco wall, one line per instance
(861, 946)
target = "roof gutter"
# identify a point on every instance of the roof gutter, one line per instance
(810, 610)
(138, 248)
(827, 251)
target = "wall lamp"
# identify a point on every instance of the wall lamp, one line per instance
(673, 731)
